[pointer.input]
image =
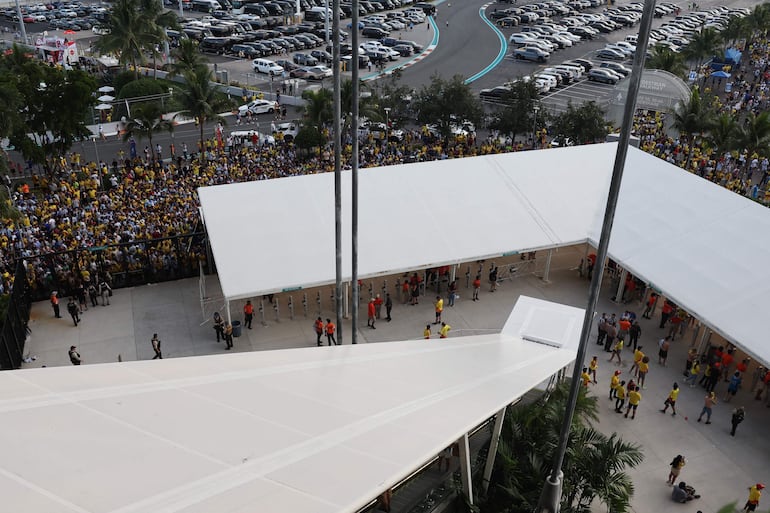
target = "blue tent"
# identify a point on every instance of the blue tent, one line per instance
(720, 74)
(732, 56)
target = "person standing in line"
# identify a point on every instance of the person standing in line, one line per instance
(248, 314)
(644, 368)
(228, 336)
(663, 346)
(650, 303)
(716, 373)
(676, 467)
(73, 310)
(739, 414)
(444, 331)
(601, 327)
(620, 397)
(593, 366)
(692, 356)
(318, 325)
(612, 332)
(370, 311)
(634, 333)
(634, 398)
(55, 304)
(74, 356)
(624, 327)
(452, 292)
(388, 307)
(665, 313)
(732, 388)
(755, 493)
(426, 332)
(693, 374)
(93, 295)
(439, 309)
(330, 328)
(378, 306)
(476, 287)
(638, 355)
(614, 384)
(708, 404)
(219, 326)
(156, 347)
(671, 401)
(405, 291)
(493, 278)
(105, 291)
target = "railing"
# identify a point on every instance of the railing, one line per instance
(14, 329)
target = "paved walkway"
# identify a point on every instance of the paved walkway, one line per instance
(719, 466)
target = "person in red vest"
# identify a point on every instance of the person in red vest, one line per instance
(666, 312)
(370, 310)
(248, 314)
(318, 325)
(55, 304)
(330, 328)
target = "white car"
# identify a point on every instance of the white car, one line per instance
(258, 107)
(520, 39)
(372, 45)
(544, 45)
(266, 66)
(625, 51)
(569, 35)
(319, 72)
(289, 131)
(396, 24)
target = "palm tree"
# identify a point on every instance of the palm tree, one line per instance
(146, 120)
(367, 106)
(200, 99)
(737, 28)
(187, 57)
(665, 59)
(692, 118)
(318, 106)
(702, 46)
(722, 133)
(758, 21)
(754, 135)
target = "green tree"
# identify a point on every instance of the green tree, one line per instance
(702, 46)
(447, 103)
(582, 125)
(754, 134)
(187, 57)
(308, 137)
(722, 133)
(201, 101)
(519, 114)
(368, 106)
(758, 21)
(692, 118)
(737, 28)
(146, 120)
(665, 59)
(318, 106)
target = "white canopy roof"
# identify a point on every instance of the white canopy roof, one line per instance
(702, 245)
(302, 430)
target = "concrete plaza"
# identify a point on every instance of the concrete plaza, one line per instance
(721, 467)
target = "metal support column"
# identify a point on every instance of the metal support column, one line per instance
(621, 286)
(547, 272)
(347, 300)
(498, 427)
(337, 145)
(465, 468)
(584, 270)
(227, 309)
(454, 273)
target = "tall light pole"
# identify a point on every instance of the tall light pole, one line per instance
(354, 176)
(550, 498)
(535, 108)
(387, 124)
(22, 28)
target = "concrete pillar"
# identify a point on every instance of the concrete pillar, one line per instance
(465, 468)
(229, 316)
(547, 271)
(454, 273)
(621, 285)
(489, 465)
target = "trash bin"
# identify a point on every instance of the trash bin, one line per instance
(236, 329)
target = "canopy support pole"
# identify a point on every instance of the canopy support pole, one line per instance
(621, 286)
(229, 316)
(547, 272)
(496, 430)
(347, 300)
(465, 468)
(454, 273)
(584, 263)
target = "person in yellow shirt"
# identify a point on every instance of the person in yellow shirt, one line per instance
(634, 398)
(638, 355)
(620, 398)
(671, 400)
(644, 367)
(426, 332)
(693, 373)
(593, 366)
(439, 308)
(616, 349)
(585, 377)
(444, 332)
(755, 493)
(614, 384)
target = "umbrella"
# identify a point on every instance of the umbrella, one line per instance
(721, 74)
(103, 106)
(69, 32)
(106, 89)
(106, 98)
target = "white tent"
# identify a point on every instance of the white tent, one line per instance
(302, 430)
(701, 244)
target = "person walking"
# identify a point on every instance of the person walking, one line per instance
(439, 309)
(452, 292)
(388, 307)
(676, 467)
(318, 326)
(248, 314)
(378, 306)
(156, 347)
(585, 377)
(444, 331)
(739, 414)
(228, 336)
(370, 311)
(73, 310)
(634, 333)
(708, 404)
(617, 348)
(611, 332)
(55, 304)
(426, 332)
(663, 346)
(650, 304)
(593, 366)
(671, 401)
(638, 355)
(634, 398)
(74, 356)
(666, 312)
(105, 291)
(476, 287)
(330, 328)
(614, 384)
(620, 397)
(755, 493)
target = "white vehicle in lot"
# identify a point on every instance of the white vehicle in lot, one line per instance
(266, 66)
(614, 46)
(625, 44)
(562, 42)
(569, 35)
(551, 81)
(544, 45)
(520, 38)
(372, 45)
(289, 131)
(576, 72)
(258, 107)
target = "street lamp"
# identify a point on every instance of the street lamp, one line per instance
(387, 123)
(534, 126)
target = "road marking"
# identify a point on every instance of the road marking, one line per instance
(414, 60)
(500, 54)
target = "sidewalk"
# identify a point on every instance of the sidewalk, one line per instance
(721, 467)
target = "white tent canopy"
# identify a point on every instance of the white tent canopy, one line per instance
(310, 430)
(701, 244)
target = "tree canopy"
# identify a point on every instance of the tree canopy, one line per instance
(447, 103)
(518, 115)
(582, 125)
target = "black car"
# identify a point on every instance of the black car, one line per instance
(374, 32)
(322, 55)
(217, 45)
(496, 94)
(304, 59)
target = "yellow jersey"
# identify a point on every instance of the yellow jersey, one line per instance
(638, 355)
(593, 365)
(634, 397)
(445, 330)
(644, 367)
(586, 379)
(673, 394)
(426, 333)
(614, 382)
(621, 392)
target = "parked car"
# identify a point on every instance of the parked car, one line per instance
(606, 53)
(616, 67)
(322, 55)
(304, 59)
(266, 66)
(374, 32)
(530, 53)
(602, 75)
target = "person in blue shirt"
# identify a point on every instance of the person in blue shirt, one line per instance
(732, 387)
